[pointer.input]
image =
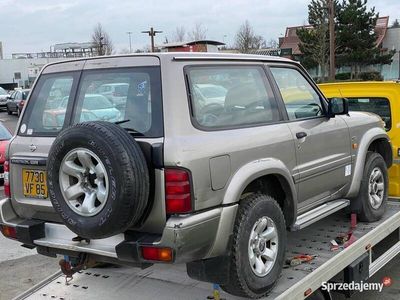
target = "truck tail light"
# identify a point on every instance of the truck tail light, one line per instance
(155, 253)
(7, 191)
(178, 191)
(8, 231)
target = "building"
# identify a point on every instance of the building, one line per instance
(392, 42)
(23, 68)
(386, 38)
(191, 46)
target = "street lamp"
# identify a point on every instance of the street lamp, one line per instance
(152, 33)
(130, 41)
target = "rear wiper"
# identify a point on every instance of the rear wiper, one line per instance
(121, 122)
(131, 130)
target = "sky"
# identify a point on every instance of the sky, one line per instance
(35, 25)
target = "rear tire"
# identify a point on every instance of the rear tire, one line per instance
(373, 193)
(98, 179)
(258, 248)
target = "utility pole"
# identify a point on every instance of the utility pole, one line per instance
(101, 46)
(130, 41)
(152, 33)
(331, 13)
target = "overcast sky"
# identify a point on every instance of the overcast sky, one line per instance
(35, 25)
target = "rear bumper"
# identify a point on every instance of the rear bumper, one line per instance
(191, 237)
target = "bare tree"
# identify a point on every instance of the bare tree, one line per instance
(102, 41)
(180, 34)
(198, 32)
(272, 44)
(246, 39)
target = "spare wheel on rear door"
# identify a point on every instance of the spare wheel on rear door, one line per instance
(98, 179)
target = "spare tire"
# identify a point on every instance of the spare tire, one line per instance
(98, 179)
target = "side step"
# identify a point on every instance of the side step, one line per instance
(319, 213)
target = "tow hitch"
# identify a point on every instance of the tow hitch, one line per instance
(71, 265)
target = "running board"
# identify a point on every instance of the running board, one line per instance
(319, 213)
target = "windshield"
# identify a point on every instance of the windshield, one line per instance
(2, 91)
(4, 133)
(25, 95)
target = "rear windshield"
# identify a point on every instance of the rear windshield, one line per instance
(379, 106)
(59, 100)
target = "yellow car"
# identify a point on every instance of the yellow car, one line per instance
(381, 98)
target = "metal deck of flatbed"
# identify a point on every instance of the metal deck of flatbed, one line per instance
(171, 281)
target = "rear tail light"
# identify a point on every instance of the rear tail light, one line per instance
(7, 191)
(8, 231)
(178, 192)
(155, 253)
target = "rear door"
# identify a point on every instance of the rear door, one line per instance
(322, 143)
(42, 120)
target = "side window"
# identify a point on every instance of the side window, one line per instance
(300, 98)
(379, 106)
(45, 114)
(231, 96)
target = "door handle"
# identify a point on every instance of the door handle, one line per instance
(301, 135)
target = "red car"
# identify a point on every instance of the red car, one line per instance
(5, 136)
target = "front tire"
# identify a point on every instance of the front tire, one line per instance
(9, 112)
(373, 194)
(258, 248)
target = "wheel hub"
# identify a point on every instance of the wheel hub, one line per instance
(376, 188)
(263, 246)
(84, 182)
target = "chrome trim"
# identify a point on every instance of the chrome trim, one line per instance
(384, 259)
(319, 213)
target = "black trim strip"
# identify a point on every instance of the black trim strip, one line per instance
(32, 161)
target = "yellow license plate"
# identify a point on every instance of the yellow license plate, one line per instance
(34, 183)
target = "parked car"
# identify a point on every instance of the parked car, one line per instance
(16, 101)
(3, 98)
(383, 99)
(116, 92)
(171, 183)
(98, 105)
(5, 136)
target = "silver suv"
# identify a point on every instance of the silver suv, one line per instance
(210, 160)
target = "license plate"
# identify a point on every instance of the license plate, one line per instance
(1, 175)
(34, 183)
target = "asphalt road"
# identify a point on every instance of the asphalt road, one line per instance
(21, 268)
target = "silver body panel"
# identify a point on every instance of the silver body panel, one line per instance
(222, 162)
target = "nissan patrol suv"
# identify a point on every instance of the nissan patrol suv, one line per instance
(206, 160)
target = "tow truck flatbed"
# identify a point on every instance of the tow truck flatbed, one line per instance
(171, 281)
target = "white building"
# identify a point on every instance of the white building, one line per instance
(22, 69)
(392, 41)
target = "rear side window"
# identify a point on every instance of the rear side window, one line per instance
(230, 96)
(45, 114)
(379, 106)
(131, 95)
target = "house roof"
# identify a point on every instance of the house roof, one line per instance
(291, 40)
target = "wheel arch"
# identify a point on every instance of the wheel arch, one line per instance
(269, 176)
(376, 140)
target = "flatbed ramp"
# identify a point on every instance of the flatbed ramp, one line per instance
(172, 282)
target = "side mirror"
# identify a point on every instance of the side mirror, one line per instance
(338, 106)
